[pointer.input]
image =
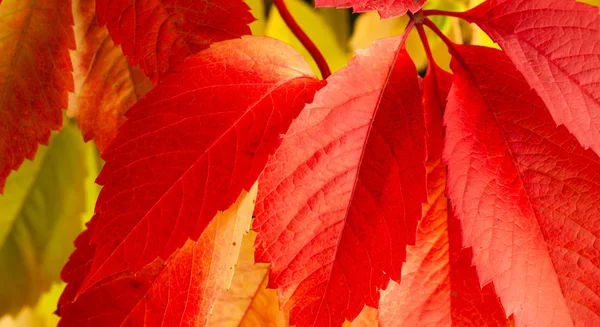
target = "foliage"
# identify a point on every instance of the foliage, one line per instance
(445, 174)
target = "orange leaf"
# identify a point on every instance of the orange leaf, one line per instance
(106, 85)
(35, 76)
(248, 302)
(179, 291)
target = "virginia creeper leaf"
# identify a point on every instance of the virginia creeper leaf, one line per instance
(439, 287)
(179, 291)
(41, 212)
(35, 76)
(106, 85)
(385, 8)
(248, 302)
(556, 46)
(159, 34)
(334, 237)
(526, 192)
(190, 146)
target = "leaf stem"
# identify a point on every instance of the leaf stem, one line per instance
(304, 39)
(451, 45)
(425, 42)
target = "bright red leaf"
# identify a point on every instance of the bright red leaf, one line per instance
(159, 34)
(35, 76)
(340, 199)
(189, 147)
(179, 291)
(106, 85)
(555, 44)
(526, 192)
(439, 287)
(385, 8)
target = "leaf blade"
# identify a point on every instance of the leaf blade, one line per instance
(178, 28)
(525, 181)
(314, 185)
(558, 53)
(178, 143)
(34, 76)
(179, 291)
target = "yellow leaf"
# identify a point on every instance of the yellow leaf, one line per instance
(478, 36)
(339, 20)
(248, 302)
(50, 198)
(40, 316)
(316, 27)
(366, 318)
(257, 8)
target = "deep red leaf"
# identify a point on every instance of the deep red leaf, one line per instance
(555, 44)
(35, 76)
(190, 146)
(385, 8)
(176, 292)
(159, 34)
(340, 199)
(526, 192)
(439, 287)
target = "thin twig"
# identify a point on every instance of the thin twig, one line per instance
(304, 39)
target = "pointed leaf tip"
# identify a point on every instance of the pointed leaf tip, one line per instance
(334, 237)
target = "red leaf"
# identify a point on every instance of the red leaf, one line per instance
(439, 287)
(35, 76)
(385, 8)
(555, 44)
(159, 34)
(106, 85)
(189, 147)
(526, 192)
(340, 199)
(179, 291)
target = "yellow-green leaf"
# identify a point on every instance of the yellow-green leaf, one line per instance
(45, 201)
(42, 315)
(316, 27)
(257, 8)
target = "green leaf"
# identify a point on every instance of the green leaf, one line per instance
(41, 216)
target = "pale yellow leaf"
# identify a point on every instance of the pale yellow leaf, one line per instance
(248, 302)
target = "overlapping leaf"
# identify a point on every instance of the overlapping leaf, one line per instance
(386, 8)
(526, 192)
(556, 46)
(179, 291)
(106, 85)
(40, 216)
(159, 34)
(35, 76)
(189, 147)
(340, 199)
(439, 287)
(248, 303)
